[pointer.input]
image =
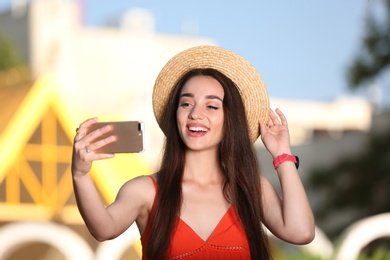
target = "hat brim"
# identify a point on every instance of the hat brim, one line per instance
(252, 89)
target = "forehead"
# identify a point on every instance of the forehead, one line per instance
(203, 85)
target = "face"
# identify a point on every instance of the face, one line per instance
(200, 113)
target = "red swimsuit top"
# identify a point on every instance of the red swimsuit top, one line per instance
(227, 241)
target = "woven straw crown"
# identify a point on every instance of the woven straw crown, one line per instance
(253, 91)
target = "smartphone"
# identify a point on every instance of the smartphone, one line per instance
(129, 137)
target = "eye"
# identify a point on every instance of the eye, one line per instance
(213, 107)
(185, 104)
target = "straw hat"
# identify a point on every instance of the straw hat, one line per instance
(248, 81)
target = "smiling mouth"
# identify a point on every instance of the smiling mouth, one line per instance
(197, 129)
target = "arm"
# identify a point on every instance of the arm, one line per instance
(103, 223)
(291, 219)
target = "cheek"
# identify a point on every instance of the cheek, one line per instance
(222, 125)
(219, 120)
(179, 115)
(180, 120)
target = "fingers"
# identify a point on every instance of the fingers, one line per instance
(97, 134)
(263, 127)
(79, 135)
(273, 118)
(81, 131)
(277, 118)
(96, 145)
(85, 146)
(283, 119)
(86, 143)
(87, 150)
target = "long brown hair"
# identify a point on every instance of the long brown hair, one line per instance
(239, 165)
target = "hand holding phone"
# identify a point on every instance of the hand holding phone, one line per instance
(128, 134)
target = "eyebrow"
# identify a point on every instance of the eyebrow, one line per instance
(207, 96)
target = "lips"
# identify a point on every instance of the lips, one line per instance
(197, 130)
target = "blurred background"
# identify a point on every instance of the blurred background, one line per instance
(326, 66)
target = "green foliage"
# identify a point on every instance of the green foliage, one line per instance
(301, 256)
(290, 252)
(358, 184)
(379, 254)
(9, 57)
(375, 55)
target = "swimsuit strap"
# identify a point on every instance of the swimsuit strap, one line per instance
(154, 181)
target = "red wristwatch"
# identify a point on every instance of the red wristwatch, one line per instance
(284, 158)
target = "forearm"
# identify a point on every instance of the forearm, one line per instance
(291, 218)
(296, 210)
(92, 209)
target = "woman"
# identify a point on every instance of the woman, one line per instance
(208, 200)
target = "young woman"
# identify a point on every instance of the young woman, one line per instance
(208, 200)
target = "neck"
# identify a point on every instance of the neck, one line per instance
(202, 167)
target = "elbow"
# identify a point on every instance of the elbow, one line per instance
(101, 237)
(304, 237)
(297, 237)
(305, 232)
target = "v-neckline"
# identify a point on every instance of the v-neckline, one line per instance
(214, 230)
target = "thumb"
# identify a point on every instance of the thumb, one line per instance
(263, 127)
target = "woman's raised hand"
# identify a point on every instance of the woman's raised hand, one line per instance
(84, 146)
(275, 134)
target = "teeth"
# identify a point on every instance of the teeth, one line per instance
(198, 129)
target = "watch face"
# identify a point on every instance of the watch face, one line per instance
(297, 163)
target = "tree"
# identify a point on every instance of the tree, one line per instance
(358, 187)
(9, 57)
(375, 56)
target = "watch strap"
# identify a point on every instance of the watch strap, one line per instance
(285, 158)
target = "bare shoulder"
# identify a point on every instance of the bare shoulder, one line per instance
(133, 202)
(142, 186)
(137, 195)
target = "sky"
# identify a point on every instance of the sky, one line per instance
(301, 48)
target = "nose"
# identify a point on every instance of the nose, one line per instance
(196, 113)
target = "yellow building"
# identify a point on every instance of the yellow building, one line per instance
(36, 136)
